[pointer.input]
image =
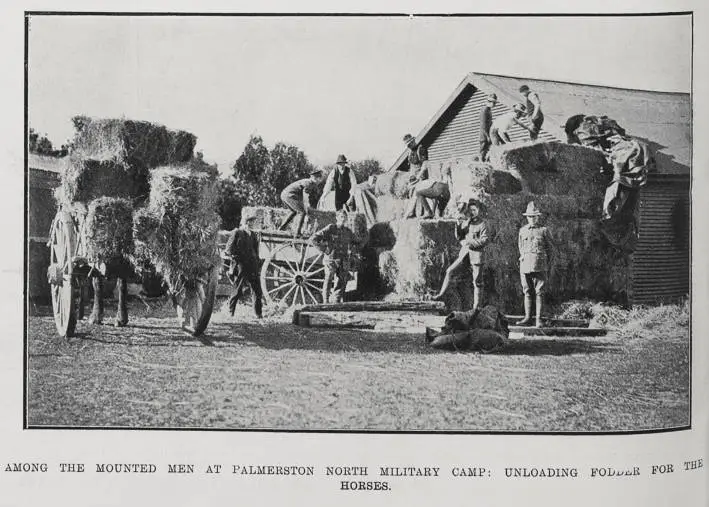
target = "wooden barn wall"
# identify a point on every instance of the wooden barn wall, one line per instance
(660, 271)
(41, 208)
(457, 132)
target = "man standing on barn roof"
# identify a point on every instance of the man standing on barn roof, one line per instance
(533, 106)
(341, 248)
(296, 197)
(485, 125)
(339, 185)
(242, 250)
(536, 248)
(499, 131)
(472, 232)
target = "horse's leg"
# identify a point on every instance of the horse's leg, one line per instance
(97, 311)
(80, 300)
(122, 311)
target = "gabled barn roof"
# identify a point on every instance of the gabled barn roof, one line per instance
(662, 119)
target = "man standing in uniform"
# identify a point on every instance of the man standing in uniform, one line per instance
(341, 248)
(296, 197)
(485, 125)
(533, 106)
(242, 248)
(536, 248)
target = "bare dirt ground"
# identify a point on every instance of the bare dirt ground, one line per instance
(270, 374)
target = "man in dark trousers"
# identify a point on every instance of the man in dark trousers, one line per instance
(242, 249)
(485, 124)
(533, 107)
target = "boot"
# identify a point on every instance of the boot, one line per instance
(527, 312)
(540, 303)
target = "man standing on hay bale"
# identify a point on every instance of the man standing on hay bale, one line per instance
(242, 247)
(339, 185)
(472, 232)
(485, 125)
(533, 106)
(536, 248)
(503, 124)
(296, 197)
(341, 248)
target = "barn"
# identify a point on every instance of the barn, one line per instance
(44, 174)
(660, 266)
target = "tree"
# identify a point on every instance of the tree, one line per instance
(363, 169)
(261, 174)
(43, 146)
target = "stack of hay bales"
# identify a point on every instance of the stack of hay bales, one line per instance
(177, 230)
(565, 181)
(108, 177)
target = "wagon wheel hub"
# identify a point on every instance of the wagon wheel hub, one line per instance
(299, 279)
(55, 275)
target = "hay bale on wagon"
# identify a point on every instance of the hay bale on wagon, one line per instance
(85, 180)
(266, 218)
(177, 230)
(393, 183)
(553, 167)
(108, 229)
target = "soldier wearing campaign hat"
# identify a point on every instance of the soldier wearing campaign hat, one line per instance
(536, 248)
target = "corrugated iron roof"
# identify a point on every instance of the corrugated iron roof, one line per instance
(662, 119)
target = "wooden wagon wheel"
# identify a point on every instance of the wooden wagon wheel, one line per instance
(195, 302)
(62, 281)
(293, 274)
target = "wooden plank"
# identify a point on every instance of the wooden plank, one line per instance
(381, 321)
(558, 331)
(379, 306)
(552, 322)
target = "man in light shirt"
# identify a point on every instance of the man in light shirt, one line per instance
(533, 107)
(499, 132)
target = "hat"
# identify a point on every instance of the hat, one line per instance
(315, 170)
(523, 88)
(408, 138)
(532, 210)
(341, 159)
(492, 97)
(520, 108)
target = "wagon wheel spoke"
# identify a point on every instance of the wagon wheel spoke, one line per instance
(315, 261)
(311, 273)
(315, 300)
(293, 268)
(285, 297)
(281, 287)
(303, 250)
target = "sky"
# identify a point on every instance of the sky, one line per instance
(329, 85)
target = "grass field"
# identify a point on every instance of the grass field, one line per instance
(270, 374)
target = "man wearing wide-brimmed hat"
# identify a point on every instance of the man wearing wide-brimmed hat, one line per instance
(485, 125)
(338, 186)
(472, 232)
(536, 248)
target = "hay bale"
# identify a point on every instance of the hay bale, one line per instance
(130, 142)
(390, 207)
(86, 180)
(266, 218)
(394, 183)
(416, 264)
(108, 229)
(553, 167)
(469, 172)
(177, 231)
